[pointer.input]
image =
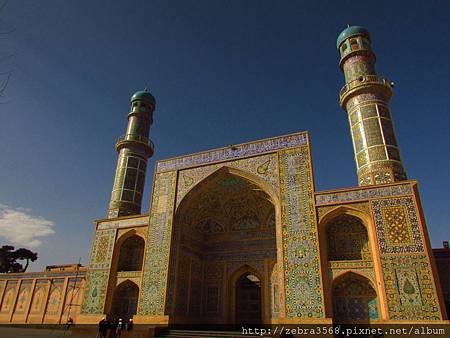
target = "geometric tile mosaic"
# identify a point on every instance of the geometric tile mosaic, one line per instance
(154, 280)
(397, 225)
(233, 152)
(265, 167)
(98, 273)
(300, 239)
(364, 194)
(398, 230)
(410, 290)
(94, 297)
(102, 249)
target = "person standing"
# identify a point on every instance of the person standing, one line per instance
(119, 328)
(129, 325)
(102, 328)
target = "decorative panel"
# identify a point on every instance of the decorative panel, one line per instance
(274, 290)
(410, 289)
(196, 286)
(98, 274)
(102, 249)
(9, 297)
(94, 297)
(361, 206)
(233, 152)
(55, 297)
(364, 194)
(265, 167)
(183, 284)
(397, 225)
(72, 299)
(213, 292)
(23, 296)
(300, 240)
(37, 304)
(153, 290)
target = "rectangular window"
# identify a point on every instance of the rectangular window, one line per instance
(133, 162)
(130, 179)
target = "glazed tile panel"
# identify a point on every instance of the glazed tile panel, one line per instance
(410, 290)
(153, 290)
(397, 225)
(98, 274)
(364, 194)
(233, 152)
(103, 249)
(300, 239)
(94, 297)
(265, 167)
(408, 278)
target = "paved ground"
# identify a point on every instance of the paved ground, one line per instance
(14, 332)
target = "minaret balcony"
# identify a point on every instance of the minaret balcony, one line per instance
(132, 139)
(365, 82)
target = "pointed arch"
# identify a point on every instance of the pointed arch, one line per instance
(130, 253)
(54, 301)
(237, 279)
(220, 172)
(37, 301)
(368, 224)
(214, 219)
(125, 300)
(8, 300)
(354, 299)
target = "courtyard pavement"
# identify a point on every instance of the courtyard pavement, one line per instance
(16, 332)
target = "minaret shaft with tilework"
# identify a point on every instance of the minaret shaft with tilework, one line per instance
(134, 149)
(365, 97)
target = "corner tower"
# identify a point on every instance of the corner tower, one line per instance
(134, 149)
(365, 97)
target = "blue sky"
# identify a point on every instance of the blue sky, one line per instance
(222, 72)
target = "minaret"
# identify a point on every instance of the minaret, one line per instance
(365, 97)
(134, 149)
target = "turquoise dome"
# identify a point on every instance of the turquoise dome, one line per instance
(143, 95)
(349, 31)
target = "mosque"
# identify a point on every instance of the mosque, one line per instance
(239, 235)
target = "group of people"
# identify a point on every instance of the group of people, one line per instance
(118, 326)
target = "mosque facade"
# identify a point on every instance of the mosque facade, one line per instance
(239, 235)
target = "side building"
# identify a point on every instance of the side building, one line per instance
(49, 297)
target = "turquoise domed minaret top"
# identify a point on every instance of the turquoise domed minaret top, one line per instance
(349, 31)
(143, 95)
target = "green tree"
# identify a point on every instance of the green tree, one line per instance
(9, 259)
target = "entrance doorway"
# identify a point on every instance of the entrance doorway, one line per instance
(125, 300)
(248, 300)
(223, 225)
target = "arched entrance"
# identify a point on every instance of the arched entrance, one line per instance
(248, 300)
(354, 299)
(347, 239)
(348, 255)
(125, 299)
(225, 222)
(131, 254)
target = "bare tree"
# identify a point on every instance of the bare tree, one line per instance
(7, 58)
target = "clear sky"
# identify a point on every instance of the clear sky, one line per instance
(222, 72)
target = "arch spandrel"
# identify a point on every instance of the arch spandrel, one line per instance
(263, 170)
(221, 203)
